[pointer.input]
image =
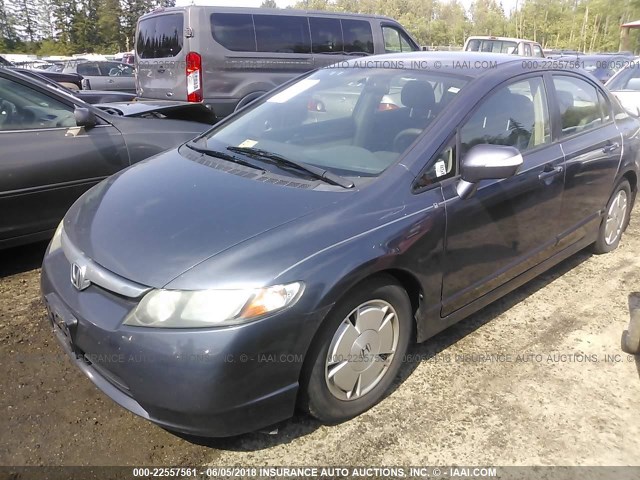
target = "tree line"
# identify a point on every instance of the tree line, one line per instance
(63, 27)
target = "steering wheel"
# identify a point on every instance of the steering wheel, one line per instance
(405, 138)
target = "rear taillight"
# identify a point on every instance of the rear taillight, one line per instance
(383, 106)
(194, 77)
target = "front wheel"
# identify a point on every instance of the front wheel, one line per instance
(357, 352)
(616, 219)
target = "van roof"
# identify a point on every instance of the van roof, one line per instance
(270, 11)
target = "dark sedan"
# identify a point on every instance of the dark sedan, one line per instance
(54, 147)
(286, 259)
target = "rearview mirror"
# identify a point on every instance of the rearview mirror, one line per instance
(84, 117)
(487, 162)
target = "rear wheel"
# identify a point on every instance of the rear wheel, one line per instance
(616, 219)
(358, 351)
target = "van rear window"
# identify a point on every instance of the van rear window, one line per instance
(160, 36)
(290, 34)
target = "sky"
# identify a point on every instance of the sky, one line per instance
(508, 5)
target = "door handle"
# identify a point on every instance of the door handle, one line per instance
(550, 173)
(161, 70)
(610, 147)
(109, 81)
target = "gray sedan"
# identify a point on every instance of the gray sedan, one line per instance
(54, 147)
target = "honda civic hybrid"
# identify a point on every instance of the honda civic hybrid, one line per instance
(287, 257)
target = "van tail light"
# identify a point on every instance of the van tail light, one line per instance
(383, 107)
(194, 77)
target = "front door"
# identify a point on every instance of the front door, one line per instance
(509, 225)
(46, 161)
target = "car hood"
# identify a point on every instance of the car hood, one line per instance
(161, 217)
(160, 109)
(630, 100)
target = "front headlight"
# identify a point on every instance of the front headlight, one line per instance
(206, 308)
(56, 241)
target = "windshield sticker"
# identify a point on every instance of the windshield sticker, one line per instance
(441, 169)
(453, 90)
(294, 90)
(248, 143)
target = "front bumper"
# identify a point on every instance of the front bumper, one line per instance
(208, 382)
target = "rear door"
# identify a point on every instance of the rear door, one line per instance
(46, 161)
(161, 51)
(593, 148)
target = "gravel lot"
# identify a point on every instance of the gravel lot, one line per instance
(548, 395)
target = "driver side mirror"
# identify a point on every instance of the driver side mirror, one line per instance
(487, 162)
(85, 117)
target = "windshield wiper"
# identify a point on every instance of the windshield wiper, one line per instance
(312, 170)
(225, 156)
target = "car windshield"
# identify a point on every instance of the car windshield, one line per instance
(626, 79)
(351, 121)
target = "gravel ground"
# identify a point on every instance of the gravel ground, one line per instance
(537, 378)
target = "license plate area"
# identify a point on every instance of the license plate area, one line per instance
(64, 324)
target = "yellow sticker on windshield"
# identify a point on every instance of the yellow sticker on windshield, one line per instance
(248, 143)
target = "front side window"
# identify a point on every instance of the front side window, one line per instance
(352, 121)
(23, 108)
(395, 40)
(282, 34)
(515, 115)
(160, 36)
(115, 69)
(89, 69)
(527, 50)
(579, 105)
(537, 51)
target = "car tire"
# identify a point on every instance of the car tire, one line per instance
(367, 333)
(616, 219)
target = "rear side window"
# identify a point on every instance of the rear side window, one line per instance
(527, 50)
(88, 69)
(537, 51)
(326, 35)
(579, 104)
(288, 34)
(282, 34)
(357, 36)
(160, 36)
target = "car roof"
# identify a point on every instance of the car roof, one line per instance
(462, 63)
(491, 37)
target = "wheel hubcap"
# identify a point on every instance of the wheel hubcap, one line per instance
(361, 350)
(615, 218)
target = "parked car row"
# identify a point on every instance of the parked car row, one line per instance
(326, 222)
(55, 146)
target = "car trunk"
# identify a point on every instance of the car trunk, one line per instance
(161, 55)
